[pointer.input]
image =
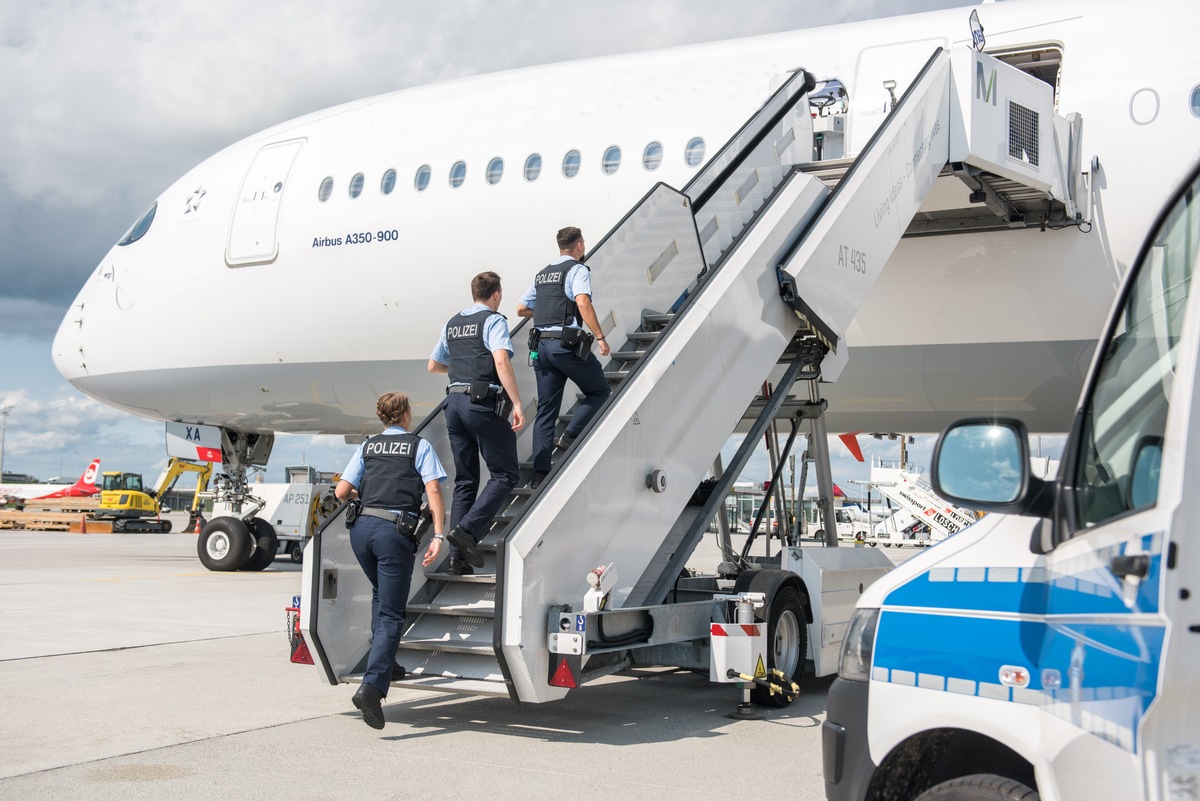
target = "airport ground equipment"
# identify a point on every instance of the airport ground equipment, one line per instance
(748, 278)
(917, 502)
(1050, 649)
(130, 506)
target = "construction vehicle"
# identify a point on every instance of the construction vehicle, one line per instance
(729, 306)
(132, 508)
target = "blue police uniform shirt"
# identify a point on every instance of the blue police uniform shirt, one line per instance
(579, 282)
(495, 337)
(427, 462)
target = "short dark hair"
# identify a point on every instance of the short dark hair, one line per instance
(391, 408)
(484, 285)
(567, 237)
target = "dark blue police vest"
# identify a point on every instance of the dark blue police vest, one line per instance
(551, 306)
(390, 477)
(470, 359)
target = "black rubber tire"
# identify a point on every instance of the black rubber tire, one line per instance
(980, 787)
(166, 527)
(787, 643)
(223, 544)
(267, 545)
(296, 552)
(874, 544)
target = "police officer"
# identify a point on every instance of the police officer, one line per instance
(476, 352)
(560, 302)
(385, 478)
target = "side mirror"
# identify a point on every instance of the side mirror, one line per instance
(984, 464)
(1147, 464)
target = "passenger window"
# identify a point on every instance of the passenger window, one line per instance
(458, 174)
(356, 185)
(388, 183)
(1126, 416)
(652, 157)
(533, 167)
(421, 179)
(326, 190)
(1196, 101)
(694, 153)
(495, 170)
(571, 163)
(612, 160)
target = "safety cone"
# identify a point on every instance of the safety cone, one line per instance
(83, 524)
(198, 521)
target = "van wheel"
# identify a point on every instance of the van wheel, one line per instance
(296, 552)
(223, 544)
(980, 787)
(266, 542)
(787, 644)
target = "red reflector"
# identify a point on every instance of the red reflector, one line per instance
(300, 654)
(563, 676)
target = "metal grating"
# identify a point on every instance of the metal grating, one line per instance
(1022, 133)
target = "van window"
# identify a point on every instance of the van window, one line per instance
(1126, 416)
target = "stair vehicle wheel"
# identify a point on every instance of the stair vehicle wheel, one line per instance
(296, 551)
(223, 544)
(267, 545)
(787, 643)
(980, 787)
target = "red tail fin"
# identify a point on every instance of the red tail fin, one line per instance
(86, 485)
(850, 440)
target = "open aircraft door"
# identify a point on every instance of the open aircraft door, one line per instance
(871, 100)
(253, 230)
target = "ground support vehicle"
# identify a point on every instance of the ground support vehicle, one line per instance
(1051, 648)
(724, 300)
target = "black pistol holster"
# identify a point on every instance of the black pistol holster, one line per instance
(353, 510)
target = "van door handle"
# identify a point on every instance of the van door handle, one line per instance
(1130, 565)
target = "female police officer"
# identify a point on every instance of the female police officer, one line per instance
(387, 475)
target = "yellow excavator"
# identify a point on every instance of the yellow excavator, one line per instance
(133, 508)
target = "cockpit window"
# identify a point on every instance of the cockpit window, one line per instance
(356, 184)
(533, 167)
(571, 163)
(326, 190)
(653, 156)
(388, 183)
(694, 153)
(421, 179)
(612, 160)
(140, 227)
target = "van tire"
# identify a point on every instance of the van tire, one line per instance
(980, 787)
(787, 634)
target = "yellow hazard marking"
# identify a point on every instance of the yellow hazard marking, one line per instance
(760, 671)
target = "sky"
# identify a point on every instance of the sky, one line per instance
(105, 103)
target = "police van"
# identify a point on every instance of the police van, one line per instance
(1051, 650)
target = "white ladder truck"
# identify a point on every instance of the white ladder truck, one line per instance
(750, 275)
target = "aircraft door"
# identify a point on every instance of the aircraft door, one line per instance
(870, 101)
(253, 230)
(1117, 657)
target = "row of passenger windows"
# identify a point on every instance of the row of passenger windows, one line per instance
(652, 157)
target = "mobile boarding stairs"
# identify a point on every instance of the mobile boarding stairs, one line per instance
(761, 262)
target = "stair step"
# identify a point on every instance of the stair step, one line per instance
(447, 684)
(642, 336)
(468, 610)
(657, 319)
(478, 578)
(442, 644)
(628, 355)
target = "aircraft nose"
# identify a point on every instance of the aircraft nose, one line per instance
(67, 351)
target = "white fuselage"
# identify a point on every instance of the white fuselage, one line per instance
(306, 335)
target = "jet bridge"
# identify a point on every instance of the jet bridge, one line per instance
(689, 289)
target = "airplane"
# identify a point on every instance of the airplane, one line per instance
(83, 488)
(323, 255)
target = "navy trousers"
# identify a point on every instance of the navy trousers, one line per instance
(475, 429)
(387, 559)
(555, 364)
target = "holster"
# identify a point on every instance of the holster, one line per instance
(353, 510)
(504, 405)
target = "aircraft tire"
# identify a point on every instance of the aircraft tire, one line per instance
(223, 544)
(266, 542)
(980, 787)
(787, 645)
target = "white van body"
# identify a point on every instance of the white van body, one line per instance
(1051, 649)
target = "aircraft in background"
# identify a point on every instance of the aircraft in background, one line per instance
(83, 488)
(323, 255)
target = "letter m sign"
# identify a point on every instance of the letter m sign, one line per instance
(985, 86)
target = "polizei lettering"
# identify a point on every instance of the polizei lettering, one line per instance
(547, 278)
(377, 448)
(462, 331)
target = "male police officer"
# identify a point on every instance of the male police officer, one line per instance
(476, 352)
(386, 476)
(560, 301)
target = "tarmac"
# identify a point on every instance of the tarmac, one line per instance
(128, 671)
